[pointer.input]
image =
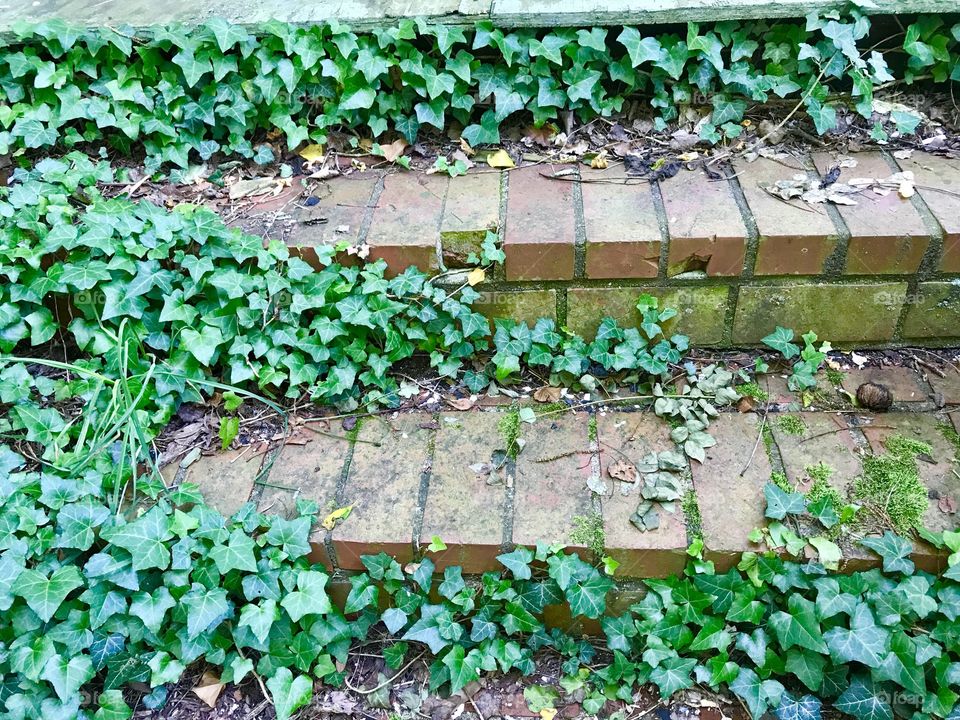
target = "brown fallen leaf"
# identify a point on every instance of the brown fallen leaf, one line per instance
(621, 470)
(467, 149)
(540, 135)
(547, 394)
(746, 404)
(461, 403)
(947, 504)
(209, 688)
(392, 151)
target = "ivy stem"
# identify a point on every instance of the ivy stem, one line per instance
(385, 683)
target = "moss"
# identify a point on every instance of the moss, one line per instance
(780, 480)
(822, 489)
(952, 437)
(592, 429)
(551, 408)
(588, 532)
(820, 472)
(691, 510)
(752, 389)
(890, 487)
(768, 441)
(791, 424)
(509, 427)
(835, 376)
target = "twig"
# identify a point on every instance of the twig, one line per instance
(763, 425)
(385, 683)
(841, 429)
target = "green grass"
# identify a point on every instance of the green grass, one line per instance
(753, 390)
(791, 424)
(890, 487)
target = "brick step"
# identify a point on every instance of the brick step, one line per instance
(733, 259)
(414, 476)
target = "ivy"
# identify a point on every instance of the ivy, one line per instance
(184, 94)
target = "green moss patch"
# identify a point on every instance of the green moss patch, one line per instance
(890, 488)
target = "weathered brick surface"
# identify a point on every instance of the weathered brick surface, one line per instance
(701, 311)
(933, 311)
(932, 172)
(657, 553)
(337, 217)
(540, 228)
(905, 384)
(405, 222)
(383, 485)
(305, 472)
(472, 208)
(462, 508)
(796, 238)
(947, 386)
(706, 230)
(525, 305)
(825, 308)
(729, 488)
(623, 233)
(225, 479)
(887, 234)
(550, 487)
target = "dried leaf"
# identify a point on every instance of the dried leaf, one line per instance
(548, 713)
(209, 688)
(462, 403)
(547, 394)
(467, 149)
(476, 276)
(254, 187)
(500, 159)
(330, 521)
(624, 471)
(947, 505)
(393, 150)
(312, 153)
(599, 162)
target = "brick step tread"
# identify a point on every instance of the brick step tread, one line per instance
(410, 477)
(736, 261)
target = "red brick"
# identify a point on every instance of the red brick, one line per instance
(623, 233)
(706, 228)
(472, 208)
(887, 234)
(933, 173)
(549, 491)
(344, 201)
(225, 479)
(657, 553)
(731, 503)
(383, 485)
(905, 384)
(796, 238)
(404, 228)
(540, 230)
(948, 386)
(462, 508)
(306, 472)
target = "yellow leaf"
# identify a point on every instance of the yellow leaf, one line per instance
(339, 514)
(600, 161)
(476, 276)
(500, 159)
(548, 713)
(312, 153)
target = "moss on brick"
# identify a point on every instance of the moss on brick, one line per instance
(792, 425)
(890, 487)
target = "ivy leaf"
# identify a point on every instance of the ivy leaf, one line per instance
(206, 607)
(589, 597)
(145, 538)
(863, 642)
(862, 701)
(780, 503)
(289, 693)
(759, 695)
(518, 563)
(807, 707)
(310, 597)
(673, 675)
(237, 554)
(45, 594)
(260, 618)
(894, 550)
(462, 666)
(640, 49)
(781, 340)
(798, 625)
(68, 674)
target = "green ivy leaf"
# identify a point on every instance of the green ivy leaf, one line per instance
(289, 693)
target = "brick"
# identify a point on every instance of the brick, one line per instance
(821, 307)
(933, 311)
(472, 208)
(383, 485)
(825, 394)
(701, 311)
(225, 479)
(706, 228)
(932, 172)
(657, 553)
(622, 230)
(462, 508)
(905, 384)
(539, 234)
(305, 472)
(523, 305)
(795, 238)
(550, 491)
(947, 386)
(887, 234)
(344, 202)
(731, 504)
(405, 223)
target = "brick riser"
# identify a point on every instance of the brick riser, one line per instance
(577, 251)
(409, 478)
